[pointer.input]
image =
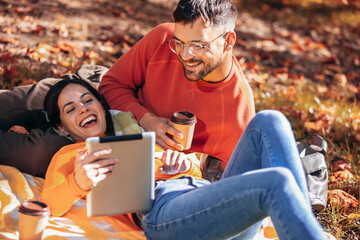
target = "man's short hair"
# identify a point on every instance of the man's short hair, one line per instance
(218, 13)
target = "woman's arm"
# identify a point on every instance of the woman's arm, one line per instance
(60, 190)
(71, 175)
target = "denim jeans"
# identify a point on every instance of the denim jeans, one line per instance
(264, 177)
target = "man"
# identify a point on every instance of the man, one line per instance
(186, 66)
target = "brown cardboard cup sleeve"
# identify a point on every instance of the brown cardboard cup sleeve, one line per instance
(184, 122)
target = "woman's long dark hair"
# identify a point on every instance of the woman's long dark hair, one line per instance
(52, 108)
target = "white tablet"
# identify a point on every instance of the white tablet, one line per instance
(130, 188)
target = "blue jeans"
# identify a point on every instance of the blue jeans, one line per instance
(264, 177)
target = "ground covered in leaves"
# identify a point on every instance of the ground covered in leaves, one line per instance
(300, 56)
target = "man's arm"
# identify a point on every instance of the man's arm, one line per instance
(123, 81)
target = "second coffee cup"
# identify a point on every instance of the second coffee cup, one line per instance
(184, 122)
(33, 218)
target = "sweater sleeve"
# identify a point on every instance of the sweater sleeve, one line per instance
(122, 82)
(60, 190)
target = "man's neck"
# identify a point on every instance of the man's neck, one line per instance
(222, 72)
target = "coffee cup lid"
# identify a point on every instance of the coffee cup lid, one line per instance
(34, 208)
(183, 118)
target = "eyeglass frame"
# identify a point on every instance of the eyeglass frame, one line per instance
(187, 44)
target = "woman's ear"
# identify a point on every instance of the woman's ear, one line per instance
(230, 40)
(62, 129)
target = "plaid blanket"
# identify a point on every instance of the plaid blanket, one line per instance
(16, 187)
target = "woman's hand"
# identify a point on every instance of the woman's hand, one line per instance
(90, 169)
(174, 162)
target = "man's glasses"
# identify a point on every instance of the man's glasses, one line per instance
(194, 48)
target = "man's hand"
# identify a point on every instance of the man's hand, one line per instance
(174, 162)
(18, 129)
(162, 128)
(90, 169)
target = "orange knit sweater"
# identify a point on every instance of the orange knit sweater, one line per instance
(149, 77)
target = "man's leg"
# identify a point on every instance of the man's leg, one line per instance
(268, 141)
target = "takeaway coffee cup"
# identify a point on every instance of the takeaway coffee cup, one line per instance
(33, 218)
(184, 122)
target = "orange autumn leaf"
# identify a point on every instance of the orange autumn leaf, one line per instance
(37, 29)
(311, 126)
(342, 199)
(27, 18)
(291, 92)
(64, 63)
(36, 56)
(23, 9)
(340, 165)
(4, 39)
(78, 53)
(92, 55)
(296, 46)
(66, 46)
(343, 175)
(9, 30)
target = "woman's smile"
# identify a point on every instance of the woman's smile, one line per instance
(81, 114)
(89, 121)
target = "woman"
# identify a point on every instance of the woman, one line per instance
(264, 176)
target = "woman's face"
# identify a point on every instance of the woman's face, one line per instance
(81, 114)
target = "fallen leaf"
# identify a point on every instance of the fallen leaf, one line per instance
(343, 175)
(311, 126)
(339, 164)
(9, 30)
(37, 29)
(35, 56)
(4, 39)
(78, 53)
(341, 79)
(342, 199)
(64, 63)
(23, 9)
(297, 47)
(92, 55)
(27, 18)
(66, 46)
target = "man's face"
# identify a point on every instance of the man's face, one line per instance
(208, 65)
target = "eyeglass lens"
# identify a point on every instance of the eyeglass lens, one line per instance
(177, 47)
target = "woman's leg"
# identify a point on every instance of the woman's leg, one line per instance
(224, 209)
(268, 141)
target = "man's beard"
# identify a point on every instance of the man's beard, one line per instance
(197, 76)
